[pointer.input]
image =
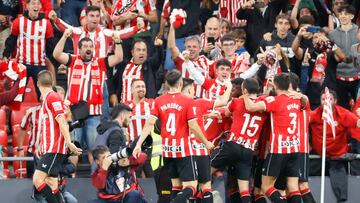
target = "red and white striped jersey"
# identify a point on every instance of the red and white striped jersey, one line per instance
(31, 120)
(304, 119)
(166, 9)
(131, 72)
(284, 112)
(215, 127)
(175, 111)
(121, 7)
(214, 88)
(246, 126)
(31, 40)
(201, 64)
(102, 38)
(140, 113)
(202, 107)
(228, 9)
(239, 64)
(52, 141)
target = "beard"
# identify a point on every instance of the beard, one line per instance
(125, 123)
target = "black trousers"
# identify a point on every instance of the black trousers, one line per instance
(345, 91)
(336, 170)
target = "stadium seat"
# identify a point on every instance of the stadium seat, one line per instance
(3, 119)
(19, 166)
(4, 144)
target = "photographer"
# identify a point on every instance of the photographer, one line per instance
(115, 178)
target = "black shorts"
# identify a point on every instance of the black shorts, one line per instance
(258, 165)
(304, 167)
(237, 156)
(203, 168)
(183, 168)
(284, 164)
(51, 163)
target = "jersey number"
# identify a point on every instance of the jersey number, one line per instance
(170, 124)
(250, 123)
(293, 116)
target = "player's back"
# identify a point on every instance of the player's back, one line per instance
(174, 112)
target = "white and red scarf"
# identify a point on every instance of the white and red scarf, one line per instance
(78, 81)
(14, 71)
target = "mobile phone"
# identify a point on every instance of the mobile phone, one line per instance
(313, 29)
(211, 40)
(135, 11)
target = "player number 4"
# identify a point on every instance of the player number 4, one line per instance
(170, 124)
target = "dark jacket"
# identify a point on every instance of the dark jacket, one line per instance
(258, 24)
(192, 9)
(149, 70)
(116, 138)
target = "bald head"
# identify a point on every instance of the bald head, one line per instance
(212, 27)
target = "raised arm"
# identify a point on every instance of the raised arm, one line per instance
(174, 51)
(252, 106)
(293, 20)
(118, 56)
(59, 53)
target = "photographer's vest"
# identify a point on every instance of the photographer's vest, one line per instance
(156, 159)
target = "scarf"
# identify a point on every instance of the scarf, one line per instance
(78, 82)
(318, 74)
(15, 71)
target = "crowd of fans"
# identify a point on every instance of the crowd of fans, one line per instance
(111, 60)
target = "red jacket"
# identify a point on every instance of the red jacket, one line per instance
(338, 146)
(99, 177)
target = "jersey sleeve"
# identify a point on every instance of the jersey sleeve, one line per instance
(154, 111)
(49, 30)
(350, 119)
(270, 103)
(26, 119)
(207, 83)
(15, 27)
(55, 104)
(166, 9)
(190, 113)
(178, 61)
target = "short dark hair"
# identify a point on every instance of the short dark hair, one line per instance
(251, 85)
(45, 78)
(239, 34)
(118, 109)
(332, 92)
(347, 9)
(99, 150)
(282, 16)
(187, 82)
(222, 62)
(294, 80)
(172, 77)
(282, 81)
(136, 80)
(91, 8)
(137, 41)
(227, 37)
(85, 39)
(306, 19)
(237, 81)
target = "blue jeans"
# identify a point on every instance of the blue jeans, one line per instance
(132, 197)
(169, 63)
(105, 108)
(68, 197)
(87, 134)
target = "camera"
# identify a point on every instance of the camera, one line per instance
(76, 124)
(122, 153)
